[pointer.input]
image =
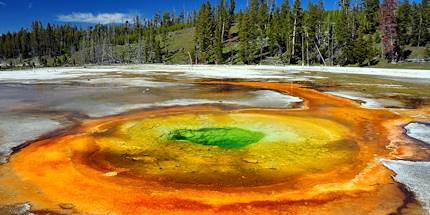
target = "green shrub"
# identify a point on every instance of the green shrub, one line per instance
(427, 51)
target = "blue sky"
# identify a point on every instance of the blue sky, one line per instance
(15, 14)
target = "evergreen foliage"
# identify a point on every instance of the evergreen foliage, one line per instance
(359, 33)
(427, 51)
(371, 11)
(404, 20)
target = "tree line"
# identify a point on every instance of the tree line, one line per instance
(359, 33)
(137, 41)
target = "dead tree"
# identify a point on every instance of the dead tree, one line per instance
(389, 29)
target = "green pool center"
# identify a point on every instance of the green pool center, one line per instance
(231, 137)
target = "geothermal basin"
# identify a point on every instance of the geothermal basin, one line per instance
(153, 139)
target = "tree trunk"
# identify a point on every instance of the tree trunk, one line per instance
(303, 52)
(294, 39)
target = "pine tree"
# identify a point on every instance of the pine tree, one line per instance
(363, 51)
(416, 24)
(344, 35)
(371, 11)
(204, 33)
(231, 13)
(286, 24)
(297, 40)
(36, 38)
(389, 29)
(249, 33)
(262, 29)
(313, 29)
(273, 32)
(404, 19)
(427, 51)
(359, 50)
(244, 37)
(425, 17)
(221, 24)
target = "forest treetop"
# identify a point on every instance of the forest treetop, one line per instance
(362, 33)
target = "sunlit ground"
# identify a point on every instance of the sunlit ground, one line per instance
(167, 140)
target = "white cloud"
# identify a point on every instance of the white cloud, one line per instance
(2, 3)
(101, 18)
